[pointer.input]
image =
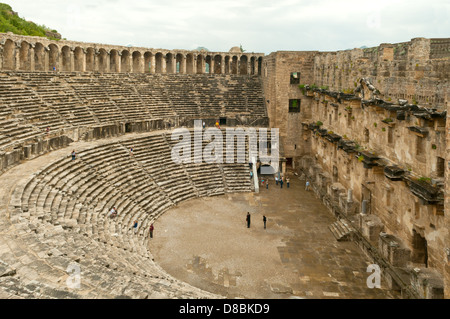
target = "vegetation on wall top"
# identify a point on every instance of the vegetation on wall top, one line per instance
(11, 22)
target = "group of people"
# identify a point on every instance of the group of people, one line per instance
(248, 219)
(277, 181)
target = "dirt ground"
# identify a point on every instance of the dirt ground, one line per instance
(206, 242)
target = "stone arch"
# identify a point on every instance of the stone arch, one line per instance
(180, 64)
(159, 62)
(66, 59)
(9, 55)
(102, 60)
(243, 65)
(234, 65)
(200, 61)
(217, 64)
(114, 64)
(259, 65)
(227, 65)
(148, 62)
(137, 65)
(170, 67)
(39, 57)
(24, 57)
(79, 59)
(53, 57)
(252, 65)
(90, 59)
(125, 62)
(190, 63)
(208, 64)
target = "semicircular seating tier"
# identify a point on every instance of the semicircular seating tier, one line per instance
(58, 216)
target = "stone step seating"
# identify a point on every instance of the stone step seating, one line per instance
(154, 154)
(57, 198)
(157, 104)
(207, 178)
(46, 251)
(60, 97)
(15, 130)
(24, 101)
(342, 230)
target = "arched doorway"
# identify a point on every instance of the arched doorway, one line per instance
(190, 63)
(39, 57)
(158, 62)
(9, 55)
(66, 59)
(102, 61)
(125, 65)
(234, 65)
(148, 62)
(137, 66)
(90, 57)
(24, 57)
(79, 59)
(218, 64)
(170, 67)
(243, 65)
(114, 61)
(53, 58)
(180, 67)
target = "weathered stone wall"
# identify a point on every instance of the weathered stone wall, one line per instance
(380, 111)
(278, 90)
(26, 53)
(416, 71)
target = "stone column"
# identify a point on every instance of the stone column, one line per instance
(72, 59)
(222, 65)
(31, 57)
(152, 64)
(16, 65)
(183, 65)
(163, 64)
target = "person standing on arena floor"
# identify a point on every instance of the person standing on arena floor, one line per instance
(287, 182)
(151, 231)
(281, 182)
(248, 220)
(264, 220)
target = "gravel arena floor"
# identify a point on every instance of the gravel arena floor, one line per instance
(206, 242)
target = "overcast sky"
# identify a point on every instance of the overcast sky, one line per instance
(262, 26)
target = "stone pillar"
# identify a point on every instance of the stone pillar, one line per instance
(163, 65)
(16, 65)
(152, 64)
(31, 54)
(212, 66)
(119, 62)
(222, 65)
(72, 59)
(46, 58)
(183, 65)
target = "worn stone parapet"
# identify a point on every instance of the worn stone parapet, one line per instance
(27, 53)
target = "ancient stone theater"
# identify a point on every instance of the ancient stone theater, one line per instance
(358, 206)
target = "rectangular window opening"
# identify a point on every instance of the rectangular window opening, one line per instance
(295, 78)
(294, 105)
